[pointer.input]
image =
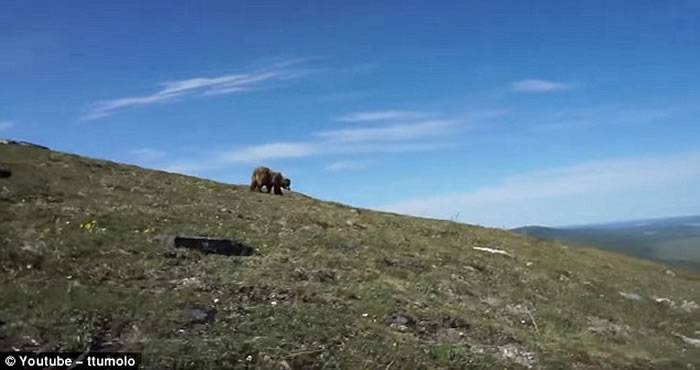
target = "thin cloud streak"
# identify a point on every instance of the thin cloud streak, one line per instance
(171, 90)
(147, 154)
(397, 138)
(389, 133)
(516, 199)
(606, 115)
(384, 115)
(257, 154)
(6, 125)
(347, 166)
(269, 151)
(538, 86)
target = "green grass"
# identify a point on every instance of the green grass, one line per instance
(317, 294)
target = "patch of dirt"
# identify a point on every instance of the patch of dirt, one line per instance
(606, 329)
(514, 353)
(437, 329)
(263, 294)
(404, 263)
(321, 275)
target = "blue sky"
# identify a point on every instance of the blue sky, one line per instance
(498, 113)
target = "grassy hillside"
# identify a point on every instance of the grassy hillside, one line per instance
(86, 264)
(673, 241)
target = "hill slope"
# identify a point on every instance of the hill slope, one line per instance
(674, 240)
(86, 263)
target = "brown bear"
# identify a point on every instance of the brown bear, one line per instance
(263, 176)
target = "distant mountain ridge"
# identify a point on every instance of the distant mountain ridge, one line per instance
(657, 221)
(672, 240)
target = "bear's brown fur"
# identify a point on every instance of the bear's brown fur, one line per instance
(263, 176)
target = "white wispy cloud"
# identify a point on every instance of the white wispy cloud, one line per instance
(384, 115)
(147, 154)
(350, 165)
(258, 154)
(172, 90)
(637, 187)
(344, 96)
(538, 86)
(192, 168)
(415, 136)
(250, 155)
(6, 125)
(608, 115)
(264, 152)
(401, 132)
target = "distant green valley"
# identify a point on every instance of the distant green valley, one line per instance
(674, 241)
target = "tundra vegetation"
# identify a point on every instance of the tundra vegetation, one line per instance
(87, 264)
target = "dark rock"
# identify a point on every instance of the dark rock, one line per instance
(325, 275)
(323, 224)
(216, 246)
(454, 322)
(301, 273)
(99, 343)
(262, 294)
(5, 173)
(399, 320)
(321, 275)
(200, 315)
(445, 326)
(404, 263)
